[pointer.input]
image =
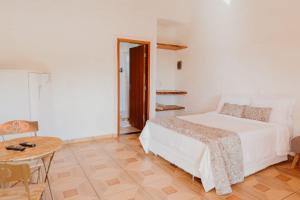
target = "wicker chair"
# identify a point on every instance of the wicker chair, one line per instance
(18, 173)
(18, 127)
(21, 127)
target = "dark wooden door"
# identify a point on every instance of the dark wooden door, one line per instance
(138, 87)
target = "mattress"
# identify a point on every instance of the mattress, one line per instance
(263, 144)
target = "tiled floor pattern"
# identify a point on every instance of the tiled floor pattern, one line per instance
(112, 170)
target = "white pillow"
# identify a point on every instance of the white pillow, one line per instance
(282, 108)
(233, 99)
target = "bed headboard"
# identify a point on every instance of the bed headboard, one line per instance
(282, 107)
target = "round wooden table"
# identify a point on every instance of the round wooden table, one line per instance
(45, 146)
(44, 150)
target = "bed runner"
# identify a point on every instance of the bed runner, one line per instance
(225, 148)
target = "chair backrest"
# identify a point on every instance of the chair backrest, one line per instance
(12, 173)
(19, 126)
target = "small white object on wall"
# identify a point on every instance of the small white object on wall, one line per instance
(36, 81)
(20, 94)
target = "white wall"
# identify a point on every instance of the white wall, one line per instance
(249, 46)
(75, 41)
(170, 32)
(166, 79)
(21, 96)
(15, 96)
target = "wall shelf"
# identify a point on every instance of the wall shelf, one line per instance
(161, 108)
(174, 47)
(171, 92)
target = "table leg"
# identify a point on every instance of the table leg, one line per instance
(47, 169)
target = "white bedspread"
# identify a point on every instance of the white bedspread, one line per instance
(263, 144)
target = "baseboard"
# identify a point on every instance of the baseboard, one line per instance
(88, 139)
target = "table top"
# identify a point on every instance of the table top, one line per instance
(44, 147)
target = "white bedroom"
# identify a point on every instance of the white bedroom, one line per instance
(215, 114)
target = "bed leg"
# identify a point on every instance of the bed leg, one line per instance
(193, 178)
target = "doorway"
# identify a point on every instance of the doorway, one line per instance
(133, 85)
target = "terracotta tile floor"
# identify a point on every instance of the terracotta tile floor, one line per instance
(112, 170)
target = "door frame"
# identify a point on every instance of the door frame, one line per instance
(148, 43)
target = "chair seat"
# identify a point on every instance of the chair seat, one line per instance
(19, 193)
(32, 163)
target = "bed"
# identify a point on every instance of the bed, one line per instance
(263, 144)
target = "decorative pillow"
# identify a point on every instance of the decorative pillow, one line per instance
(233, 110)
(257, 113)
(233, 99)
